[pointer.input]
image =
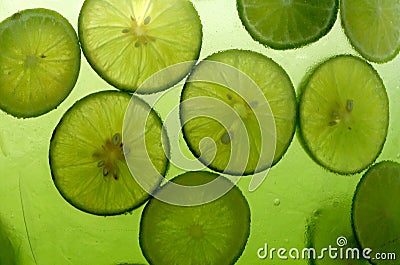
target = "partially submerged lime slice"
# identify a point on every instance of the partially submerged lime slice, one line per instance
(128, 41)
(331, 226)
(376, 212)
(88, 154)
(344, 114)
(287, 24)
(247, 110)
(212, 233)
(373, 27)
(39, 62)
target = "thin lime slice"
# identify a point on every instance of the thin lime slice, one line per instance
(331, 226)
(373, 27)
(128, 41)
(287, 24)
(39, 62)
(258, 91)
(376, 212)
(7, 254)
(344, 114)
(87, 155)
(212, 233)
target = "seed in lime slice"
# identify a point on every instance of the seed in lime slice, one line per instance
(287, 24)
(249, 108)
(128, 41)
(373, 27)
(211, 233)
(39, 62)
(331, 226)
(88, 155)
(343, 114)
(376, 212)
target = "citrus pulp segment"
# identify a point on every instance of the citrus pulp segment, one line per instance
(343, 114)
(211, 233)
(287, 24)
(372, 27)
(376, 211)
(39, 62)
(128, 41)
(250, 114)
(88, 154)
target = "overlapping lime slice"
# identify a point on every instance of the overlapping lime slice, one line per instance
(373, 27)
(128, 41)
(343, 114)
(88, 154)
(376, 212)
(286, 24)
(331, 226)
(207, 234)
(236, 122)
(39, 62)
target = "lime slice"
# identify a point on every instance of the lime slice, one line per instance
(344, 114)
(373, 27)
(258, 94)
(331, 226)
(212, 233)
(287, 24)
(376, 212)
(128, 41)
(87, 155)
(39, 62)
(7, 255)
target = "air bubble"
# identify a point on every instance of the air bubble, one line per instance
(277, 202)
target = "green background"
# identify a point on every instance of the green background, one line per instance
(294, 190)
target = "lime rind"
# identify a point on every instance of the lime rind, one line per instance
(357, 42)
(81, 157)
(302, 138)
(286, 119)
(259, 37)
(62, 78)
(176, 217)
(146, 63)
(378, 202)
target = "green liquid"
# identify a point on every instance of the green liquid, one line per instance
(280, 207)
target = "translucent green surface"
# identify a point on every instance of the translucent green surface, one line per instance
(293, 190)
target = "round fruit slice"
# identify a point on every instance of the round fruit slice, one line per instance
(88, 157)
(212, 233)
(287, 24)
(247, 108)
(39, 62)
(331, 226)
(128, 41)
(344, 114)
(373, 27)
(7, 254)
(376, 212)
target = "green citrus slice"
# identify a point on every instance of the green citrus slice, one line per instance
(373, 27)
(287, 24)
(39, 62)
(128, 41)
(88, 154)
(343, 114)
(376, 212)
(256, 92)
(331, 226)
(212, 233)
(7, 253)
